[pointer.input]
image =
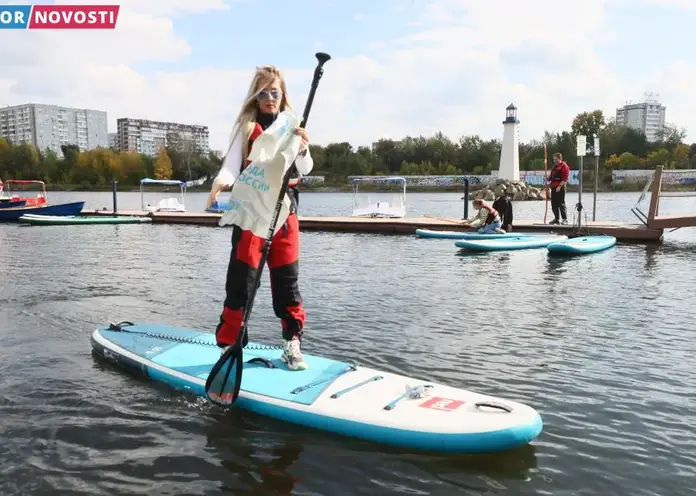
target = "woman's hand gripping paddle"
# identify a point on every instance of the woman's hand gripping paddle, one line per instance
(225, 378)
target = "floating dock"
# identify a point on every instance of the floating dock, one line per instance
(651, 228)
(408, 225)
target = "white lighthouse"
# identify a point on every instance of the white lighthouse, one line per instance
(509, 168)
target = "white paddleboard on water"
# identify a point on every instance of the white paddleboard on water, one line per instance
(331, 395)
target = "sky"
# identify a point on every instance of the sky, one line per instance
(399, 68)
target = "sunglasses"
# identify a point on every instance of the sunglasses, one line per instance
(273, 94)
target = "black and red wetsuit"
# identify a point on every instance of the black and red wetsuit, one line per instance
(559, 174)
(504, 207)
(282, 262)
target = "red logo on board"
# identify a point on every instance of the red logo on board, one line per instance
(442, 404)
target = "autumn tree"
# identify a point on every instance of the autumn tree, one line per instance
(132, 167)
(96, 167)
(626, 160)
(163, 165)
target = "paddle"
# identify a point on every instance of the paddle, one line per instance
(218, 387)
(452, 221)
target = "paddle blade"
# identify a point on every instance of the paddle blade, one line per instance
(224, 380)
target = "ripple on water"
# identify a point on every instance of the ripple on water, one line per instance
(609, 368)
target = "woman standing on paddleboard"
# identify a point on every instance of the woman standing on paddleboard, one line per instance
(267, 97)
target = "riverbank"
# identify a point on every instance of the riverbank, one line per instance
(636, 187)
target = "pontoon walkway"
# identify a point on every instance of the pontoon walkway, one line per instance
(408, 225)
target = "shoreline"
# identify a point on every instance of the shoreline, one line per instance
(347, 189)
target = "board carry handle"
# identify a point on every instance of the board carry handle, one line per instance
(119, 326)
(490, 404)
(299, 389)
(264, 361)
(356, 386)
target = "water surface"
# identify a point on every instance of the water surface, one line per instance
(602, 346)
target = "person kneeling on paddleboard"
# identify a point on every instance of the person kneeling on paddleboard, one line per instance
(485, 216)
(267, 97)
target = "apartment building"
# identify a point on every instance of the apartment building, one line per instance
(113, 140)
(50, 126)
(647, 116)
(145, 136)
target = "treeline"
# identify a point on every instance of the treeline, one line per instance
(100, 167)
(620, 148)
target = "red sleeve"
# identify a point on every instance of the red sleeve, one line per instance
(565, 174)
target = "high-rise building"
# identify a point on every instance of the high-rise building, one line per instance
(145, 136)
(113, 140)
(647, 115)
(50, 126)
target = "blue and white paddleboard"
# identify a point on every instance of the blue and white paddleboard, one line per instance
(427, 233)
(331, 395)
(512, 243)
(581, 245)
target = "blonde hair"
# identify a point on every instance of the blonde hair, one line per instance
(263, 77)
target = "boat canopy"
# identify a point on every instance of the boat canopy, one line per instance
(168, 182)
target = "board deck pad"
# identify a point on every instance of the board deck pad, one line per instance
(197, 356)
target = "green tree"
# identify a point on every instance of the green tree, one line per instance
(589, 124)
(659, 157)
(621, 148)
(680, 156)
(669, 137)
(615, 139)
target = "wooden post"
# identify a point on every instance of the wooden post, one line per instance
(655, 194)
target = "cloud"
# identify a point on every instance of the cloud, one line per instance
(456, 68)
(675, 83)
(161, 7)
(677, 4)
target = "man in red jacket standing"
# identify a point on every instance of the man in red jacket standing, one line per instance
(559, 178)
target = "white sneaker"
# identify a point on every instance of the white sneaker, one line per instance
(292, 355)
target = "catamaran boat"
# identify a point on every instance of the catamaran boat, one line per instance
(363, 207)
(170, 204)
(13, 205)
(7, 196)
